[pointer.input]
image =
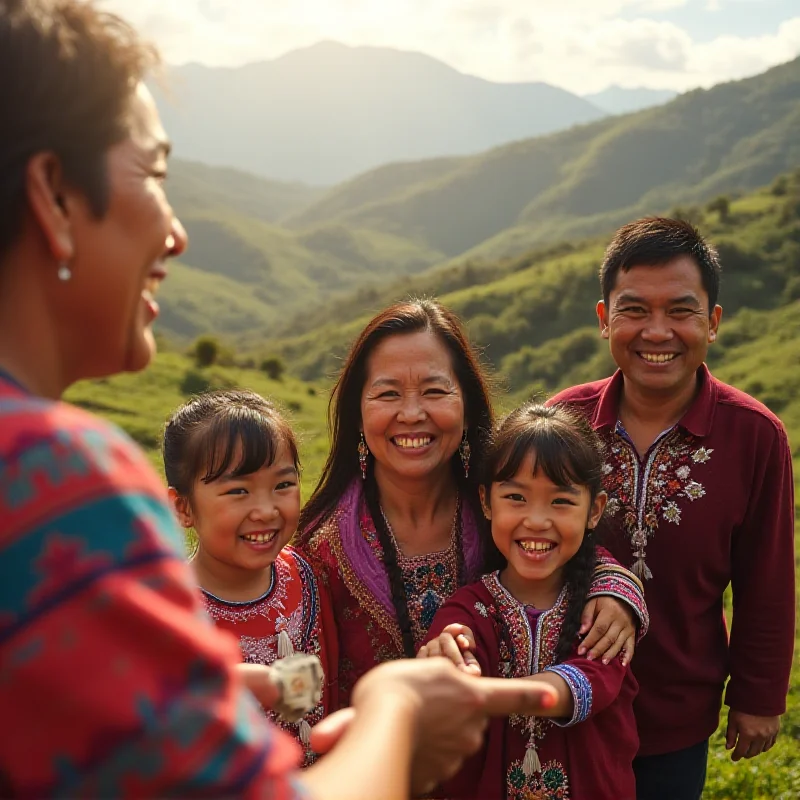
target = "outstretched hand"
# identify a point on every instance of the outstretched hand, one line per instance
(452, 710)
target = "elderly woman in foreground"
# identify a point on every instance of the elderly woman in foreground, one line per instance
(112, 681)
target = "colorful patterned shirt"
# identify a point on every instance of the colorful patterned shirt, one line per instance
(710, 503)
(296, 604)
(113, 682)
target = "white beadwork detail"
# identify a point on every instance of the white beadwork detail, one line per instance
(672, 512)
(702, 455)
(694, 490)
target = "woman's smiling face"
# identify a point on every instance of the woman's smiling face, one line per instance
(412, 408)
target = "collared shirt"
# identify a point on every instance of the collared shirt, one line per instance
(113, 682)
(710, 503)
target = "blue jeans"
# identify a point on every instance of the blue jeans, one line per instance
(672, 776)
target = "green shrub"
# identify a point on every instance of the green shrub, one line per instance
(273, 367)
(206, 351)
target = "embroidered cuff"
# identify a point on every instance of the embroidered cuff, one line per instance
(581, 693)
(614, 581)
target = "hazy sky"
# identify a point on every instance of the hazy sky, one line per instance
(581, 45)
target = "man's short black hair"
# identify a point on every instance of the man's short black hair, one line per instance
(654, 242)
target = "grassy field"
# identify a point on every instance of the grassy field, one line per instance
(141, 403)
(762, 355)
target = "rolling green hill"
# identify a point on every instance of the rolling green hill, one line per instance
(242, 266)
(533, 314)
(586, 180)
(140, 403)
(196, 187)
(271, 259)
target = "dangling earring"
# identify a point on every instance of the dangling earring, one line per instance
(465, 452)
(64, 272)
(363, 452)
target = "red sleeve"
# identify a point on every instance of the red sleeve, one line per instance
(763, 582)
(594, 685)
(115, 683)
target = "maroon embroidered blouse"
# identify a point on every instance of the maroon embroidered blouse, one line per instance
(712, 502)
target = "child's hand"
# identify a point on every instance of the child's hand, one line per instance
(612, 628)
(457, 643)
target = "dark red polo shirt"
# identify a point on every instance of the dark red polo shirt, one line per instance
(711, 503)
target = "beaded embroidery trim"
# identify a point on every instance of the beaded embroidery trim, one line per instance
(329, 532)
(646, 494)
(581, 690)
(525, 652)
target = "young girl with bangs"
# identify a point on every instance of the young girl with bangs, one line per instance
(232, 466)
(543, 494)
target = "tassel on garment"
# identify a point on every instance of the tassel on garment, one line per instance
(285, 646)
(641, 570)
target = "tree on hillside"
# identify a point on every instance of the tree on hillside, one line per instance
(691, 214)
(722, 206)
(781, 186)
(206, 351)
(273, 367)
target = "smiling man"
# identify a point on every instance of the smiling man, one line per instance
(699, 479)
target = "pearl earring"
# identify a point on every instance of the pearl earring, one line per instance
(64, 272)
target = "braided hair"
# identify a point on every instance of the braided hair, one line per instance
(390, 562)
(568, 451)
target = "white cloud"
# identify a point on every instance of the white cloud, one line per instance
(582, 45)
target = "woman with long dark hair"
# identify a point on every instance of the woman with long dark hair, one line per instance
(394, 524)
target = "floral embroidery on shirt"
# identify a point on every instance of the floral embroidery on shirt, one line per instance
(525, 650)
(701, 456)
(646, 493)
(549, 784)
(481, 609)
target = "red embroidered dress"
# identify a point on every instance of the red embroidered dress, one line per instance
(588, 757)
(295, 604)
(710, 503)
(350, 564)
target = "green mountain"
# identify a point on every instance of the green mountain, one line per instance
(242, 266)
(619, 100)
(583, 181)
(325, 113)
(532, 315)
(273, 259)
(195, 187)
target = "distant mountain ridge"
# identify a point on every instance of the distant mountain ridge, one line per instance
(618, 100)
(583, 181)
(328, 112)
(267, 256)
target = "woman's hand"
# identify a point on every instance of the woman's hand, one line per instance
(612, 629)
(456, 643)
(451, 710)
(256, 677)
